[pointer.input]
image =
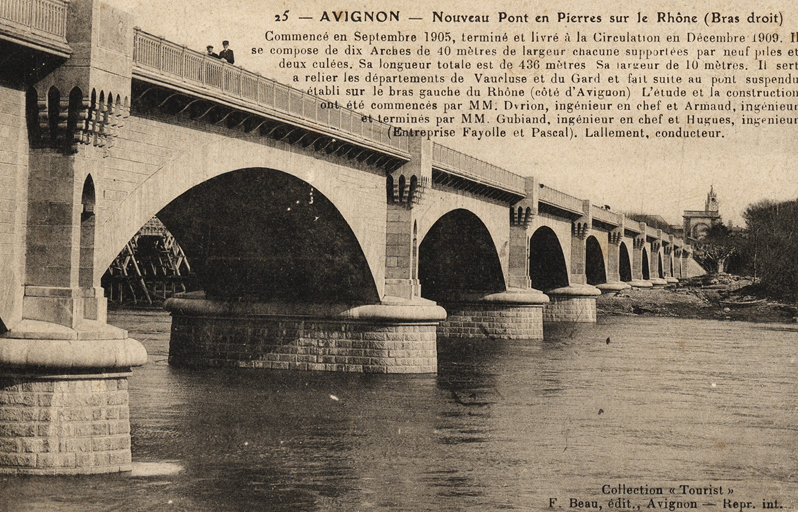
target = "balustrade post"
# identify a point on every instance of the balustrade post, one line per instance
(183, 63)
(160, 54)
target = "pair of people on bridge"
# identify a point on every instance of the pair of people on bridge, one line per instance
(226, 54)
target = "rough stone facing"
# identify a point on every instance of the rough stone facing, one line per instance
(570, 309)
(481, 321)
(298, 344)
(64, 425)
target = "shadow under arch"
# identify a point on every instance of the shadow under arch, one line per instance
(660, 268)
(457, 256)
(595, 270)
(262, 234)
(624, 263)
(646, 273)
(547, 268)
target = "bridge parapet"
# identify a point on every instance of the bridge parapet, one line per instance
(36, 23)
(561, 200)
(606, 216)
(507, 185)
(166, 63)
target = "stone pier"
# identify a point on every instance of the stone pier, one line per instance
(64, 399)
(575, 303)
(513, 314)
(395, 336)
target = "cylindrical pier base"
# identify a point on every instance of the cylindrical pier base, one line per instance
(576, 303)
(613, 288)
(64, 398)
(514, 314)
(70, 424)
(395, 336)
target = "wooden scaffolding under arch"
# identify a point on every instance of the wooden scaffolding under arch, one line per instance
(150, 268)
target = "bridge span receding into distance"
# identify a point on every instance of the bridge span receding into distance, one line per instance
(321, 241)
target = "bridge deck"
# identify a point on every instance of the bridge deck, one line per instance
(478, 171)
(168, 64)
(561, 200)
(38, 24)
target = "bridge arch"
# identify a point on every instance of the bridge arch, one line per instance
(457, 257)
(547, 267)
(160, 160)
(266, 235)
(645, 271)
(624, 263)
(595, 270)
(660, 267)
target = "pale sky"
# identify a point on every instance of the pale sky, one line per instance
(656, 176)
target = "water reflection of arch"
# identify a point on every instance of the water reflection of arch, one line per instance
(458, 256)
(646, 273)
(624, 263)
(547, 267)
(595, 270)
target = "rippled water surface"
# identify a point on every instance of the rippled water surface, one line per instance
(504, 425)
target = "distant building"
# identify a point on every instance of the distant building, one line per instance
(698, 222)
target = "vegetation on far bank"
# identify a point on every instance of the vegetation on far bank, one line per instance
(766, 250)
(752, 273)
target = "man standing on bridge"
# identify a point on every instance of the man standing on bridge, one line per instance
(227, 54)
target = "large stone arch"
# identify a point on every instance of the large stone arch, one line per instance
(645, 270)
(624, 263)
(154, 162)
(267, 235)
(595, 266)
(547, 262)
(457, 258)
(492, 215)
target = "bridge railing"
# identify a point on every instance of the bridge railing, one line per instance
(181, 64)
(556, 198)
(47, 17)
(606, 216)
(476, 170)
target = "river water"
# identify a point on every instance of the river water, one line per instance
(567, 423)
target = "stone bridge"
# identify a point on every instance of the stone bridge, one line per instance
(323, 240)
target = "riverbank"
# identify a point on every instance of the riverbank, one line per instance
(721, 297)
